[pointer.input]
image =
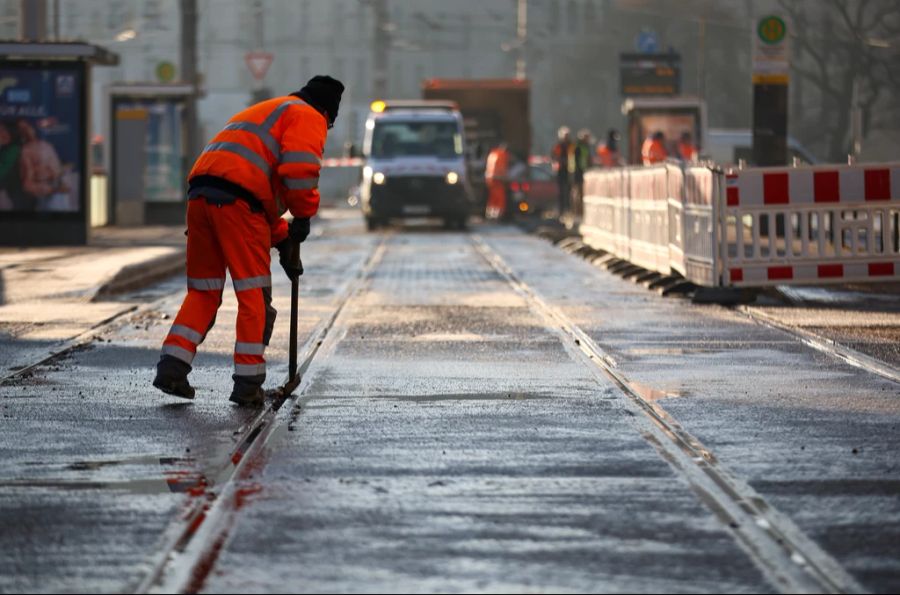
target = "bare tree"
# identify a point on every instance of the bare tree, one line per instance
(839, 46)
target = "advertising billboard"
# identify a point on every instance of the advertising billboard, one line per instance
(42, 146)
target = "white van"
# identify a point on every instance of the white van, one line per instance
(728, 147)
(415, 164)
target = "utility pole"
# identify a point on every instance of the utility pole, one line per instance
(189, 74)
(56, 20)
(701, 59)
(521, 38)
(381, 41)
(33, 20)
(260, 91)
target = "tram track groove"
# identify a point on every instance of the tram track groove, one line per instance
(827, 346)
(191, 543)
(86, 337)
(793, 562)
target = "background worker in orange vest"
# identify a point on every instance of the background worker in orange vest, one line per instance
(608, 152)
(654, 149)
(579, 162)
(686, 149)
(496, 175)
(266, 158)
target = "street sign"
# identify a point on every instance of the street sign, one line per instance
(771, 73)
(258, 63)
(650, 74)
(647, 42)
(771, 62)
(165, 72)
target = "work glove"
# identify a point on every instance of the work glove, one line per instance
(298, 229)
(285, 249)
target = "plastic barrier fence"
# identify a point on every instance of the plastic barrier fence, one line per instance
(811, 225)
(692, 243)
(752, 227)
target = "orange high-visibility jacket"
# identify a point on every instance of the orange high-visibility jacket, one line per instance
(653, 151)
(273, 150)
(497, 165)
(557, 154)
(687, 151)
(607, 157)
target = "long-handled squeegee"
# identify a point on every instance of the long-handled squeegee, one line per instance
(293, 379)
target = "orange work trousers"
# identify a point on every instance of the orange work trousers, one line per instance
(496, 203)
(219, 237)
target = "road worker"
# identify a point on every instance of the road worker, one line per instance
(608, 152)
(654, 149)
(560, 158)
(496, 176)
(579, 162)
(686, 148)
(267, 158)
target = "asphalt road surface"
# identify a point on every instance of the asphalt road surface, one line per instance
(479, 411)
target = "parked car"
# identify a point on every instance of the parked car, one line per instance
(532, 190)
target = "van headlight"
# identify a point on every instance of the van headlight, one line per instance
(378, 178)
(452, 177)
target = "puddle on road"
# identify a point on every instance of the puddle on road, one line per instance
(91, 465)
(134, 486)
(180, 480)
(505, 396)
(649, 393)
(450, 337)
(666, 350)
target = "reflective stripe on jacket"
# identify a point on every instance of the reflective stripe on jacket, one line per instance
(273, 150)
(653, 151)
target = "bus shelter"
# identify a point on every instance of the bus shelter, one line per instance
(148, 152)
(44, 130)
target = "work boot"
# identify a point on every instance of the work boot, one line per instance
(171, 377)
(247, 392)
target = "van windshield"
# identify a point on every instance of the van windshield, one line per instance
(406, 139)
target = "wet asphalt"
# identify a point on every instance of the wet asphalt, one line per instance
(445, 439)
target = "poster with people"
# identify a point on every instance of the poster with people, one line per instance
(41, 139)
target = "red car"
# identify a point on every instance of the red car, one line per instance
(533, 191)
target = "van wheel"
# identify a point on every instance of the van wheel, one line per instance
(458, 223)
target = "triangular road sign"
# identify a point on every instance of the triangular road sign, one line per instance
(258, 63)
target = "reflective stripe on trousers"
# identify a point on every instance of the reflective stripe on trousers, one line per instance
(250, 369)
(216, 283)
(252, 283)
(177, 352)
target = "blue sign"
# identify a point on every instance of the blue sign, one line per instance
(647, 42)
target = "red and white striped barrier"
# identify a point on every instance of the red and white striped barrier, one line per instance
(751, 227)
(813, 185)
(820, 224)
(811, 273)
(343, 162)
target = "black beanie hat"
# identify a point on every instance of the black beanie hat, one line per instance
(324, 94)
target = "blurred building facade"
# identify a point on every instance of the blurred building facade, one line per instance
(572, 51)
